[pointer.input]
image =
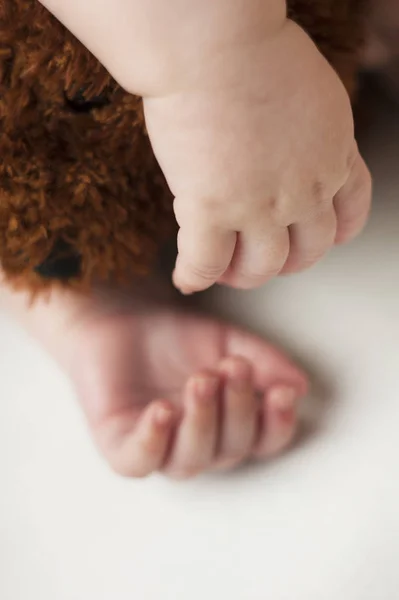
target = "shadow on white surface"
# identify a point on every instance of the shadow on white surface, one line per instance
(320, 524)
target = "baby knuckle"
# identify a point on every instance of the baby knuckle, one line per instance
(212, 204)
(348, 222)
(352, 157)
(271, 210)
(207, 272)
(359, 189)
(320, 194)
(364, 187)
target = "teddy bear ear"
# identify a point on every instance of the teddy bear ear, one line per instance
(63, 263)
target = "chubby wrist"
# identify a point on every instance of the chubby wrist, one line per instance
(153, 47)
(212, 35)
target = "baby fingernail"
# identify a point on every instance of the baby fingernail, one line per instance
(206, 387)
(283, 399)
(163, 416)
(238, 371)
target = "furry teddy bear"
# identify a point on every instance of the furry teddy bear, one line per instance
(81, 195)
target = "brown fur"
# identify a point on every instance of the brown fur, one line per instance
(81, 179)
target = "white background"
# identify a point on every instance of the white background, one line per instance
(320, 524)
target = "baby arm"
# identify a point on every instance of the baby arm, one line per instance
(251, 126)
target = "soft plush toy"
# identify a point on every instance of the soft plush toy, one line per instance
(81, 195)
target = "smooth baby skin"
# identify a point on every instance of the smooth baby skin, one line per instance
(251, 126)
(163, 390)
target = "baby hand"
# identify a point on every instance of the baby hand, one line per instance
(259, 152)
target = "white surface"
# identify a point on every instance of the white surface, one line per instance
(321, 524)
